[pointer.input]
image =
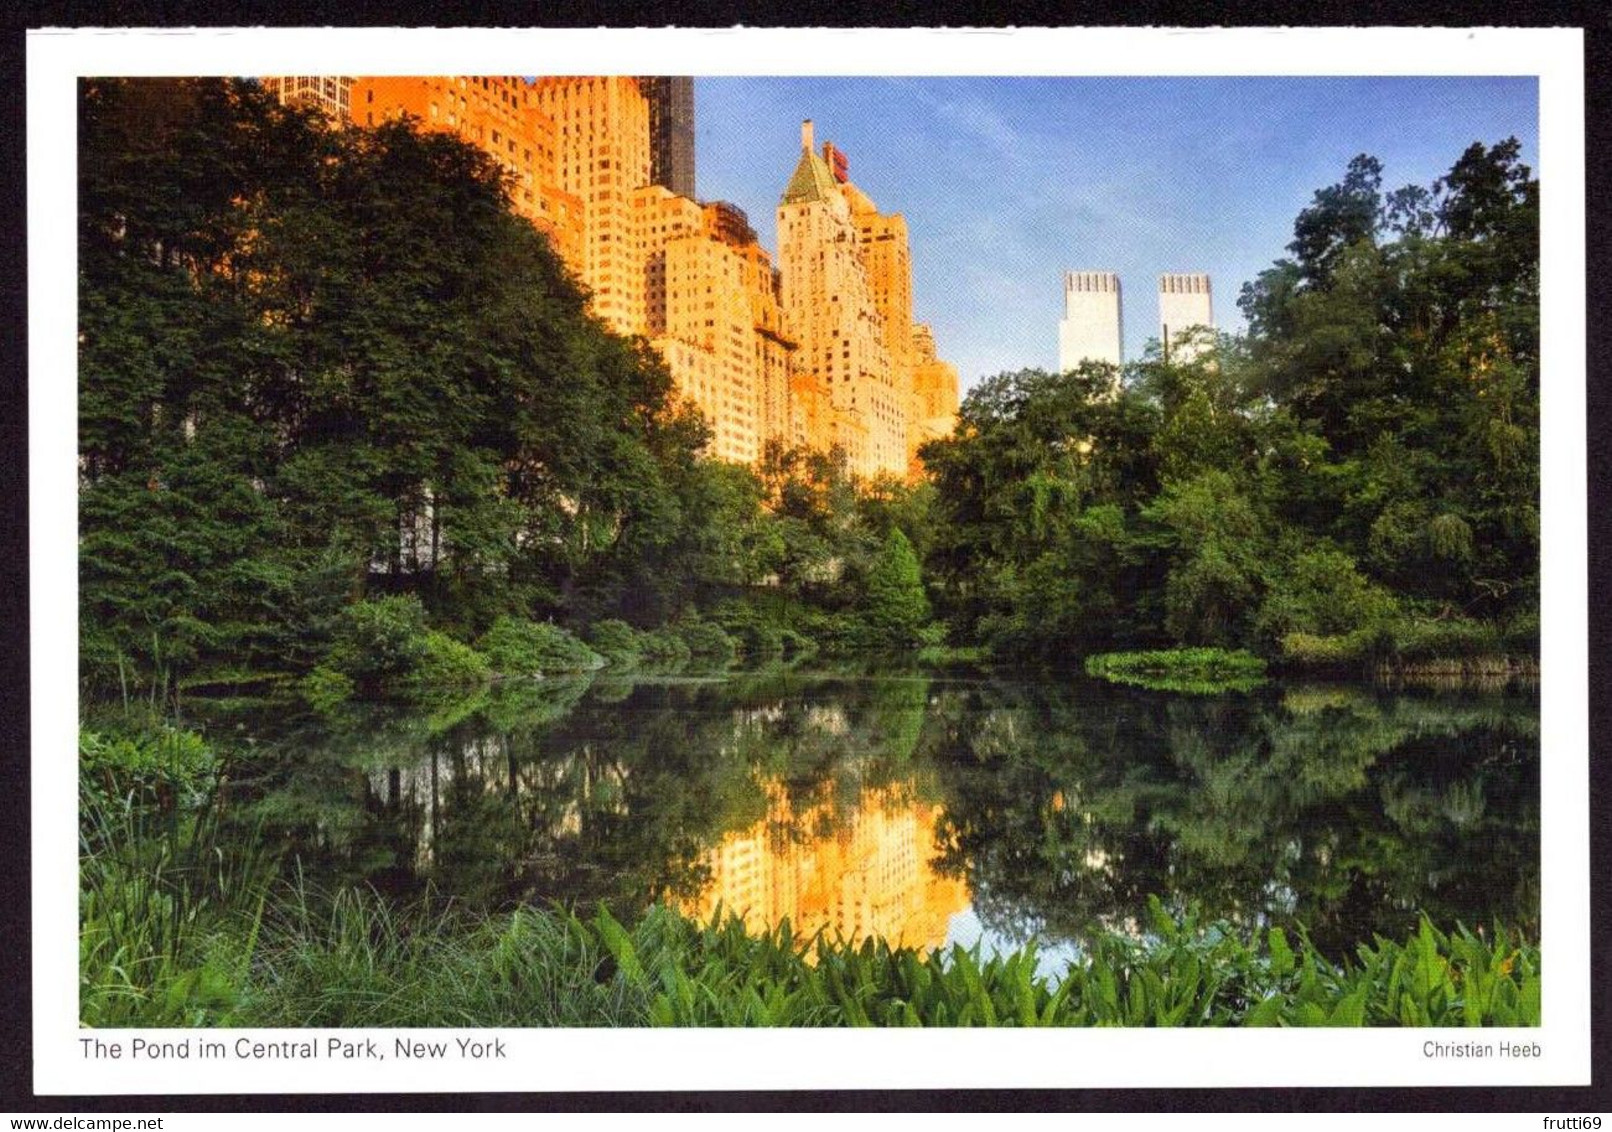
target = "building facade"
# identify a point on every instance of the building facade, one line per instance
(816, 347)
(1184, 303)
(934, 397)
(671, 131)
(830, 307)
(496, 114)
(847, 287)
(329, 94)
(602, 156)
(1092, 328)
(929, 384)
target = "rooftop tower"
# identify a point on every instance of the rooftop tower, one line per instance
(1092, 328)
(1184, 303)
(671, 131)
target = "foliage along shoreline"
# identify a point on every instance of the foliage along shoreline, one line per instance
(345, 422)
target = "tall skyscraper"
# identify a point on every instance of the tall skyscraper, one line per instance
(602, 126)
(1092, 328)
(887, 260)
(830, 306)
(671, 131)
(713, 314)
(1184, 302)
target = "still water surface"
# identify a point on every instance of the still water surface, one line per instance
(928, 808)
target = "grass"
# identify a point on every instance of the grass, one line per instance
(1199, 670)
(940, 655)
(352, 959)
(1459, 648)
(168, 915)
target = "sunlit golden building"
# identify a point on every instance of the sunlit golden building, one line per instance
(330, 94)
(934, 396)
(830, 308)
(711, 310)
(887, 260)
(848, 297)
(774, 347)
(602, 138)
(494, 113)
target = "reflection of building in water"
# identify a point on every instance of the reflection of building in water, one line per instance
(589, 785)
(869, 875)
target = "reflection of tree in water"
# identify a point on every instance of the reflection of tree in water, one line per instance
(547, 791)
(1064, 805)
(1341, 810)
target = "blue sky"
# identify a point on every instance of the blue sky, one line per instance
(1007, 183)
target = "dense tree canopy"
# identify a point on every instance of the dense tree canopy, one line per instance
(317, 362)
(1365, 457)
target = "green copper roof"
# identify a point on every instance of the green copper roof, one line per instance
(812, 180)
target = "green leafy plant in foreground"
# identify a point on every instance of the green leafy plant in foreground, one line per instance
(168, 913)
(351, 960)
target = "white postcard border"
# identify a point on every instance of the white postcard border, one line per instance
(776, 1059)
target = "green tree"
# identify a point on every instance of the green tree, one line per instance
(318, 364)
(896, 606)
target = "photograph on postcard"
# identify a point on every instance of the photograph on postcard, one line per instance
(711, 550)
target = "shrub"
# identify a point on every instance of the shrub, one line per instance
(448, 663)
(952, 654)
(1323, 593)
(1398, 644)
(796, 646)
(664, 648)
(379, 641)
(1521, 635)
(1435, 640)
(707, 642)
(515, 647)
(757, 628)
(162, 764)
(616, 641)
(839, 633)
(1181, 670)
(1343, 650)
(758, 640)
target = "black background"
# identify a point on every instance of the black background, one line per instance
(16, 1055)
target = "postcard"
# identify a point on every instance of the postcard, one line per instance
(608, 560)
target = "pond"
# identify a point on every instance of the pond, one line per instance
(928, 807)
